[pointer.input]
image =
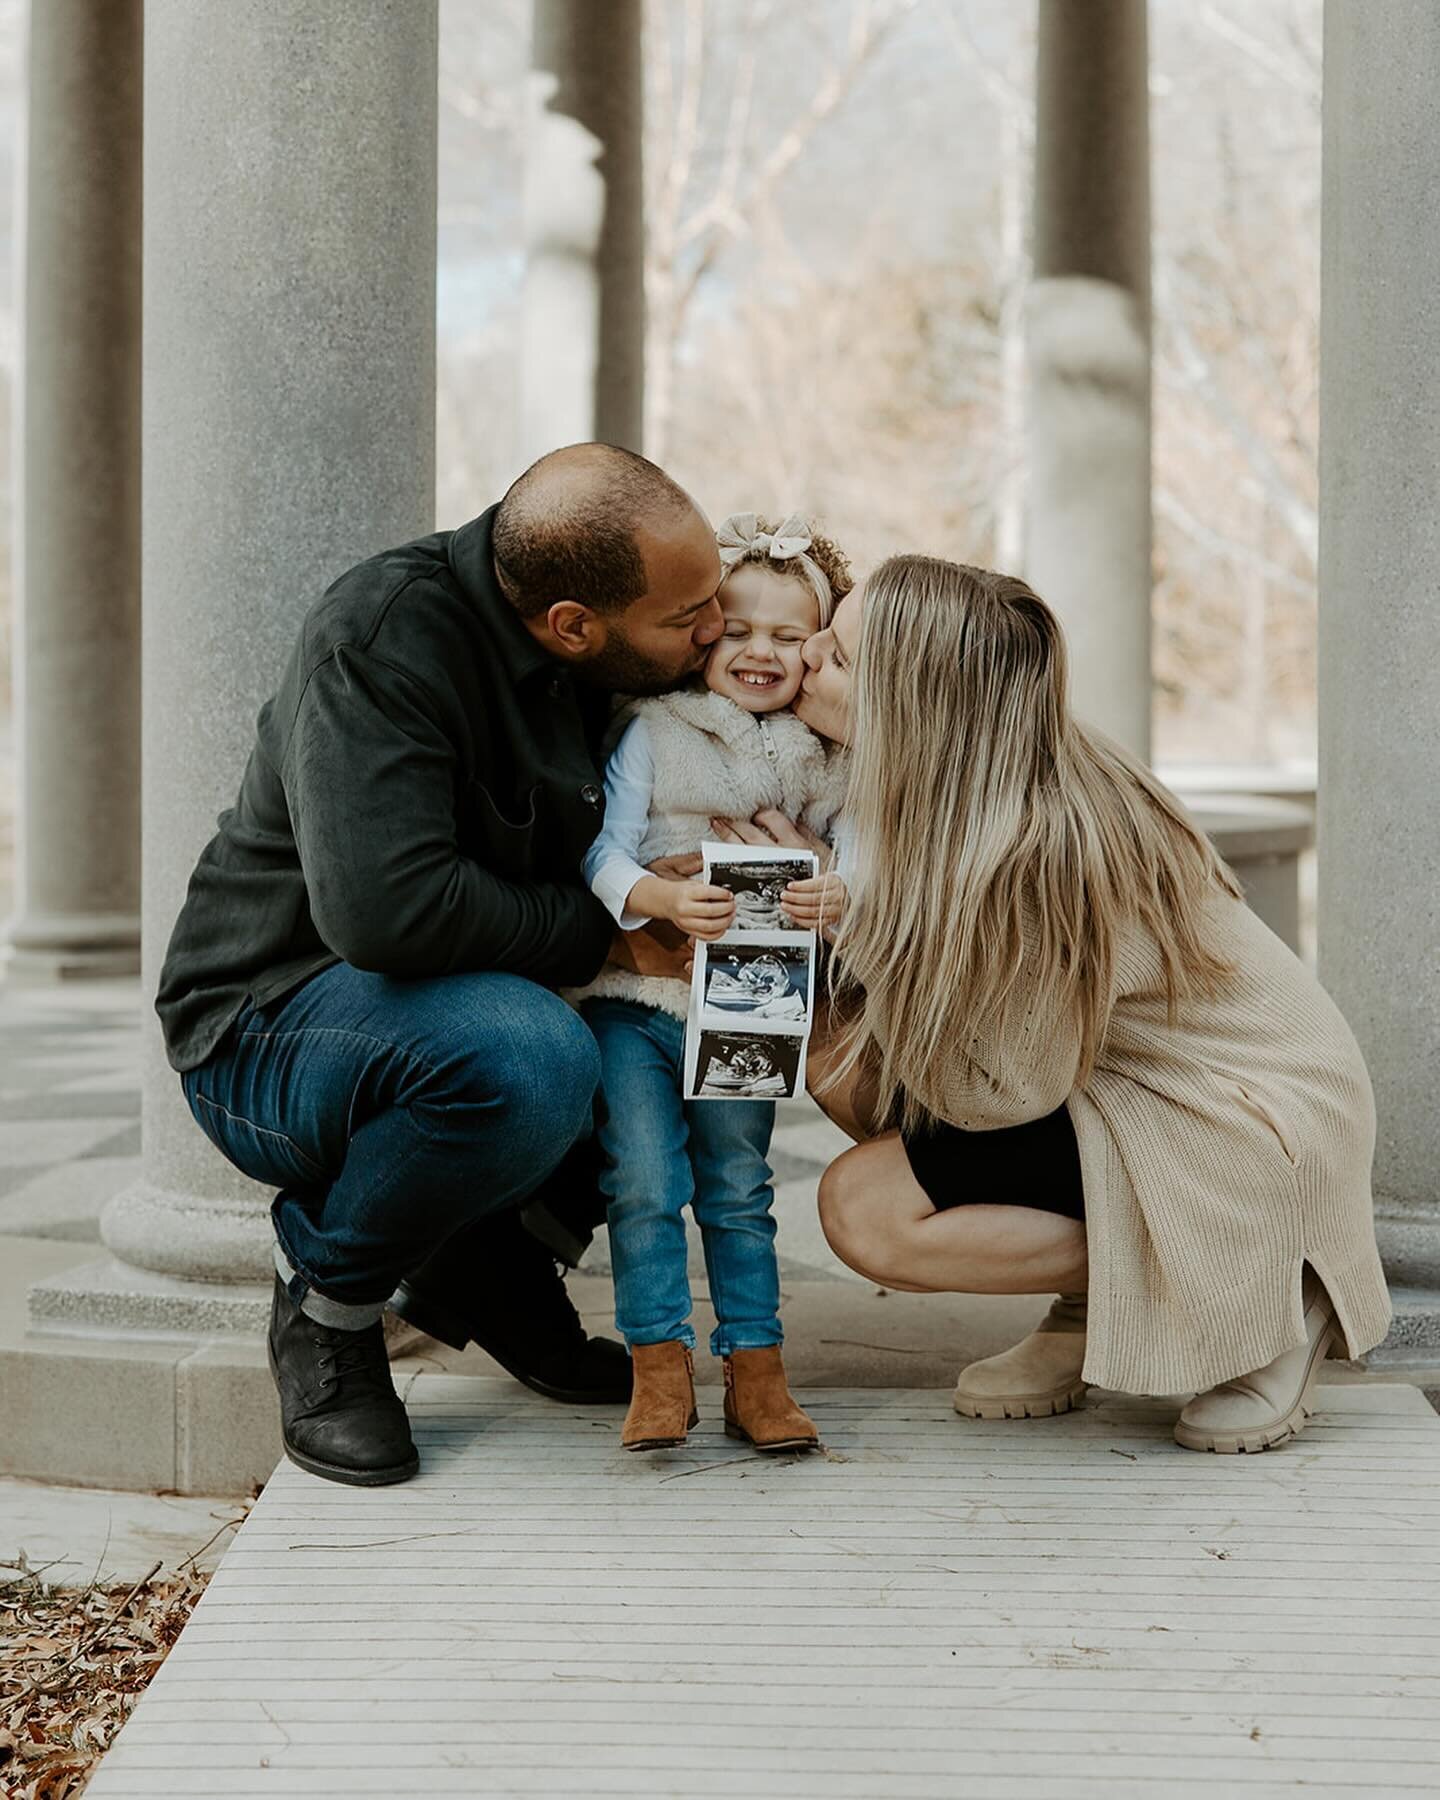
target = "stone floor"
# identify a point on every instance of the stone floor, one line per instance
(69, 1105)
(1069, 1609)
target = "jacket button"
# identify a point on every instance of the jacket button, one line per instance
(556, 685)
(591, 794)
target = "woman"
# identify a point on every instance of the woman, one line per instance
(1073, 1060)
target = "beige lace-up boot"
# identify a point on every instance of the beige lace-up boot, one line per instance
(1037, 1377)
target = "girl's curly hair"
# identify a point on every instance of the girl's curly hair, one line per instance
(824, 553)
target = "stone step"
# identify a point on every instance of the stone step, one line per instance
(1058, 1608)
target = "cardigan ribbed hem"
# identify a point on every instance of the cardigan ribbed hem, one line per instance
(1241, 1329)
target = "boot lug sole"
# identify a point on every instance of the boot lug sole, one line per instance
(1021, 1406)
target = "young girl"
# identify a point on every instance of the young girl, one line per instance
(725, 748)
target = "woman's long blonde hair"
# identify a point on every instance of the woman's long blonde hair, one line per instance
(989, 830)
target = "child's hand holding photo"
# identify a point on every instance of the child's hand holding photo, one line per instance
(699, 910)
(817, 904)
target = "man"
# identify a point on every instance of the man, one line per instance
(359, 990)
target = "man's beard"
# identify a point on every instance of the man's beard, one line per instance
(626, 670)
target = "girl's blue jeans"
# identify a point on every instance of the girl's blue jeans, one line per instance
(663, 1154)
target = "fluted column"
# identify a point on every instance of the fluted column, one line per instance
(1088, 343)
(77, 512)
(1379, 825)
(288, 432)
(583, 330)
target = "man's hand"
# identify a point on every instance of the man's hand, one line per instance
(677, 868)
(655, 949)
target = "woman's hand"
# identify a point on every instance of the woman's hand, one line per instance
(817, 904)
(772, 827)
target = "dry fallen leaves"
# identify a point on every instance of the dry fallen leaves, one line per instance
(73, 1662)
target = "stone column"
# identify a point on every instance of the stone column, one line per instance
(288, 432)
(583, 329)
(77, 512)
(1379, 826)
(1088, 336)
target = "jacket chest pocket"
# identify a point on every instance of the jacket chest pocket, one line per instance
(507, 843)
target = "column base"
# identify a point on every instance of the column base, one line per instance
(224, 1241)
(43, 948)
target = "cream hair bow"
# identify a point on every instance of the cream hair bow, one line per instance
(741, 534)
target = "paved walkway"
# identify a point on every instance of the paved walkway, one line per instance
(1064, 1608)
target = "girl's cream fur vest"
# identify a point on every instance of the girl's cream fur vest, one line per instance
(714, 760)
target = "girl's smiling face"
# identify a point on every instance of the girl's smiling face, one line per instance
(768, 616)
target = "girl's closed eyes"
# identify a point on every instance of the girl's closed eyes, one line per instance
(759, 662)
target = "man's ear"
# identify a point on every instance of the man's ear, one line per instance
(577, 631)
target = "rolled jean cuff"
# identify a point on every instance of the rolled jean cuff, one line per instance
(728, 1338)
(335, 1315)
(663, 1334)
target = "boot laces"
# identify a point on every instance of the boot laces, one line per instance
(349, 1353)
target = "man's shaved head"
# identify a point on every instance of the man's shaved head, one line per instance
(573, 528)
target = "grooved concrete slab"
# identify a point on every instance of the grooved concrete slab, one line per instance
(1049, 1609)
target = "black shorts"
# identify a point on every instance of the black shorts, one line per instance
(1037, 1164)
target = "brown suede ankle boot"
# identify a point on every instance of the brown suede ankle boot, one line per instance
(759, 1407)
(662, 1406)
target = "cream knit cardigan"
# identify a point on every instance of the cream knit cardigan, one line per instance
(1218, 1155)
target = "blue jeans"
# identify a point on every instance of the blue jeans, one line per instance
(390, 1114)
(664, 1154)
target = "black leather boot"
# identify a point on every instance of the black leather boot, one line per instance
(498, 1286)
(339, 1412)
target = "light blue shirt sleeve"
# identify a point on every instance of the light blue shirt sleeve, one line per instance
(609, 867)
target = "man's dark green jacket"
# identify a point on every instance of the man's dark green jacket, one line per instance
(422, 788)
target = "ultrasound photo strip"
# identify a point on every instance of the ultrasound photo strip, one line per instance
(752, 992)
